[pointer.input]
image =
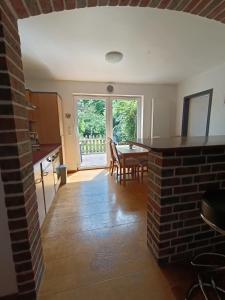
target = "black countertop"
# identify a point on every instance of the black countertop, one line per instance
(160, 144)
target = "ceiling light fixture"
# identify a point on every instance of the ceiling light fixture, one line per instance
(113, 57)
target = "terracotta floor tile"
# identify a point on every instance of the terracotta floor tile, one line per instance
(94, 242)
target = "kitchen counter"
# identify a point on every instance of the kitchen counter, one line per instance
(181, 170)
(44, 152)
(160, 144)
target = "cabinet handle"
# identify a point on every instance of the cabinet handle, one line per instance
(37, 181)
(45, 173)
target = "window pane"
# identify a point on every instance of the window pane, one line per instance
(124, 120)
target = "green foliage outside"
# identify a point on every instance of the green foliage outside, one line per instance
(124, 120)
(91, 119)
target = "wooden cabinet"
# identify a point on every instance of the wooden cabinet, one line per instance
(47, 117)
(39, 193)
(48, 182)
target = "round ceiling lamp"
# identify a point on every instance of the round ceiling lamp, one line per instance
(113, 57)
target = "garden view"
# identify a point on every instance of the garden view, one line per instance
(92, 118)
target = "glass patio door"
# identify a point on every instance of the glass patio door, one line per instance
(125, 117)
(99, 117)
(92, 131)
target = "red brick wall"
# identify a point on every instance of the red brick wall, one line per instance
(16, 161)
(15, 152)
(213, 9)
(177, 180)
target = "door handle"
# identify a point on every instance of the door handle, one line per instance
(37, 181)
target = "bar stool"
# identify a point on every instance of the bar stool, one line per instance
(213, 214)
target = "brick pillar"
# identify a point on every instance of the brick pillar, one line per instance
(16, 161)
(177, 180)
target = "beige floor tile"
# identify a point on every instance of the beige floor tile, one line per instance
(94, 243)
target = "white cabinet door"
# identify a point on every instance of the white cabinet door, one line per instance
(39, 193)
(49, 185)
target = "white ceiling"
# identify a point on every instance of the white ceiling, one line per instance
(159, 46)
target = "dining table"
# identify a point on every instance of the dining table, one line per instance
(127, 151)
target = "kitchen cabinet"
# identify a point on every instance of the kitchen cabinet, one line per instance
(48, 182)
(47, 117)
(39, 192)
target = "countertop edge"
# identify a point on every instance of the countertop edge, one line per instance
(46, 155)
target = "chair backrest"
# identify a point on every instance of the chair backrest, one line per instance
(110, 147)
(115, 152)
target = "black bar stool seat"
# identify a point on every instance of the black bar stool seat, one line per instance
(207, 265)
(213, 210)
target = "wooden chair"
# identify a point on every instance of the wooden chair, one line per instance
(143, 167)
(112, 159)
(132, 165)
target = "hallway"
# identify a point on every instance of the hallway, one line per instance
(94, 243)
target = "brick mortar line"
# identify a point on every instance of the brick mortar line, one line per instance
(11, 208)
(12, 62)
(16, 156)
(13, 130)
(193, 8)
(221, 11)
(26, 8)
(187, 166)
(8, 102)
(37, 261)
(191, 175)
(10, 33)
(4, 40)
(64, 5)
(38, 276)
(40, 8)
(7, 72)
(180, 237)
(19, 181)
(18, 194)
(27, 240)
(174, 222)
(16, 91)
(182, 155)
(205, 7)
(52, 6)
(10, 9)
(12, 117)
(24, 228)
(17, 170)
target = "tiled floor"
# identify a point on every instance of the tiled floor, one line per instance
(95, 245)
(93, 160)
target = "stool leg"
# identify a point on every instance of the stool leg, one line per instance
(192, 288)
(201, 284)
(215, 288)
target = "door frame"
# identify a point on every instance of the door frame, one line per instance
(186, 106)
(109, 120)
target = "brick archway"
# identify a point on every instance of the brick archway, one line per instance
(15, 152)
(206, 8)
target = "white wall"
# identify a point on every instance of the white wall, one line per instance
(162, 93)
(214, 78)
(8, 284)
